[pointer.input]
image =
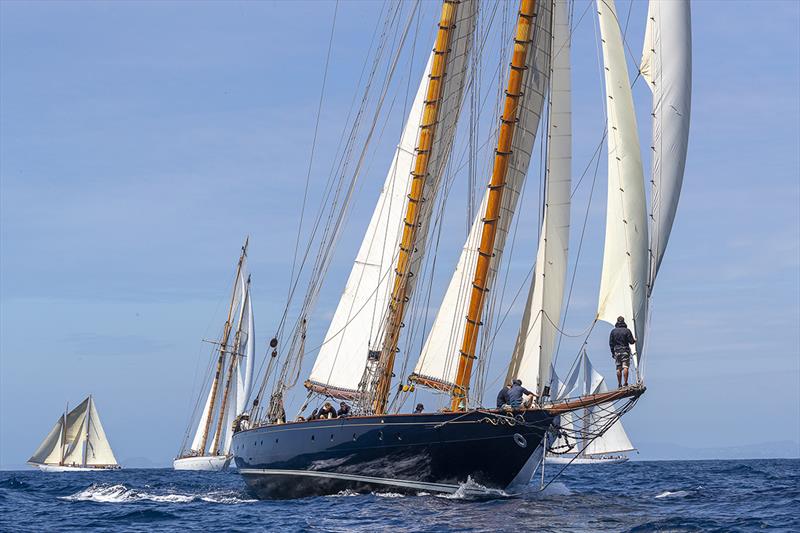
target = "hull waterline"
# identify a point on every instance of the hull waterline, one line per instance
(564, 460)
(475, 451)
(208, 463)
(66, 468)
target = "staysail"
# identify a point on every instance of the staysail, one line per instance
(438, 362)
(667, 68)
(623, 284)
(533, 352)
(358, 322)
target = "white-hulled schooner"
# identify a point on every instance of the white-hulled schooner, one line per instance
(76, 443)
(377, 446)
(229, 387)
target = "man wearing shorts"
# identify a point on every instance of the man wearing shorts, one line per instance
(620, 341)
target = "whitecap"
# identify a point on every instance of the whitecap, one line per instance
(123, 494)
(676, 494)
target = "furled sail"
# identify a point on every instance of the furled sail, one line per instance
(623, 285)
(667, 68)
(358, 322)
(533, 352)
(438, 362)
(77, 439)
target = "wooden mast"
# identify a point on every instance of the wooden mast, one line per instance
(480, 284)
(427, 131)
(226, 332)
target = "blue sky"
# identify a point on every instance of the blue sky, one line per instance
(141, 141)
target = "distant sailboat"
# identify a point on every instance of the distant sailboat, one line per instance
(77, 442)
(230, 387)
(584, 438)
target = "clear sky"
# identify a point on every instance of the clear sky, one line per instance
(141, 141)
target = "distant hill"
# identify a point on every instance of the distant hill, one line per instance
(665, 451)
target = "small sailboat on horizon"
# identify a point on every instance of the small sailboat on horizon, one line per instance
(229, 389)
(77, 443)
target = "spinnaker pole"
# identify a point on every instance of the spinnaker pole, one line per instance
(480, 284)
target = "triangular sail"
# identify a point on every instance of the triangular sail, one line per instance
(49, 451)
(667, 68)
(75, 434)
(356, 327)
(533, 352)
(614, 439)
(437, 364)
(623, 285)
(98, 449)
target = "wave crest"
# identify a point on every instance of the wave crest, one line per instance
(123, 494)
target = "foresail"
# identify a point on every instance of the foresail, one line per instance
(356, 327)
(98, 449)
(49, 451)
(197, 441)
(533, 351)
(75, 433)
(438, 362)
(667, 68)
(623, 285)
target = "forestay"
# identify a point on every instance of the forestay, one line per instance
(357, 324)
(438, 361)
(667, 68)
(533, 352)
(623, 285)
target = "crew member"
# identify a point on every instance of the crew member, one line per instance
(516, 392)
(620, 341)
(502, 396)
(344, 410)
(419, 408)
(327, 411)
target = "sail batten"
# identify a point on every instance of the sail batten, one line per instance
(533, 351)
(667, 67)
(623, 284)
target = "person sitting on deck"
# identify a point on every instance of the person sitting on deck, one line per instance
(516, 392)
(327, 411)
(314, 414)
(419, 408)
(620, 341)
(502, 396)
(344, 410)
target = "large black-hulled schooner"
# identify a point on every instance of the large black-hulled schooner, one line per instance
(464, 446)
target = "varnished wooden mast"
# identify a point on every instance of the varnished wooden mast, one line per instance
(226, 332)
(522, 41)
(427, 131)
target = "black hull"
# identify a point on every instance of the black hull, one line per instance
(435, 452)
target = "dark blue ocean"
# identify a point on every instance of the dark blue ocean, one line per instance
(670, 496)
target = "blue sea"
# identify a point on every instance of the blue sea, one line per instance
(670, 496)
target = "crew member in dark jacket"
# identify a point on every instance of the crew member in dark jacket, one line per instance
(344, 410)
(516, 392)
(502, 396)
(620, 341)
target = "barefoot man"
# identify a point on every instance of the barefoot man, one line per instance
(620, 341)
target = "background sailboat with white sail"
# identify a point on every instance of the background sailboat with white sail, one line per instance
(77, 442)
(229, 389)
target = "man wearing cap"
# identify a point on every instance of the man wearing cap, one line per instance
(620, 341)
(516, 392)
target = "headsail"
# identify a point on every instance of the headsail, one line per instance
(438, 362)
(533, 352)
(357, 325)
(667, 68)
(49, 451)
(623, 285)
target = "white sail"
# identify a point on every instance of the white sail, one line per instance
(623, 285)
(75, 434)
(49, 451)
(197, 441)
(98, 449)
(438, 362)
(533, 352)
(667, 68)
(357, 323)
(614, 439)
(247, 354)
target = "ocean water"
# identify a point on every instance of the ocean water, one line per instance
(675, 496)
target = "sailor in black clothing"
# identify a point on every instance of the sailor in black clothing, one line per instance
(516, 392)
(344, 410)
(620, 341)
(502, 396)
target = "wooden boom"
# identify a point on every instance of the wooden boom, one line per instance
(480, 284)
(427, 132)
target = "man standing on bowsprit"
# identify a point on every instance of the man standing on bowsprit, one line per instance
(620, 341)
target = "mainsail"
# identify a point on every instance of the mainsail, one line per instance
(438, 362)
(623, 285)
(358, 323)
(667, 68)
(77, 439)
(533, 352)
